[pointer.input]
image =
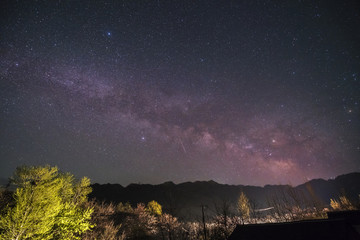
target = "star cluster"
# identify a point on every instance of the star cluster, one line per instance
(250, 92)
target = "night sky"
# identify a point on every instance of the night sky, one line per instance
(240, 92)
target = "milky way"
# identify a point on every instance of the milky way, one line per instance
(252, 92)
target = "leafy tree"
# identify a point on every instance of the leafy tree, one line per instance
(106, 223)
(168, 225)
(47, 205)
(243, 207)
(5, 199)
(154, 208)
(141, 224)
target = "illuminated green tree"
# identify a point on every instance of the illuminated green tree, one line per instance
(243, 207)
(47, 205)
(154, 208)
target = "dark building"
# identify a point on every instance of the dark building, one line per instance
(339, 226)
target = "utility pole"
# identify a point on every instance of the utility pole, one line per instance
(203, 219)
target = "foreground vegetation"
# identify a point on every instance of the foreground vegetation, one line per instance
(48, 204)
(45, 205)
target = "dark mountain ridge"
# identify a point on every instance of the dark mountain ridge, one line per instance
(185, 199)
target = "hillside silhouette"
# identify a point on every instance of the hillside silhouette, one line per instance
(184, 200)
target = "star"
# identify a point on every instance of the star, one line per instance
(205, 97)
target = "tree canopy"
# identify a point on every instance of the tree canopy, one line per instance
(243, 206)
(154, 208)
(46, 204)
